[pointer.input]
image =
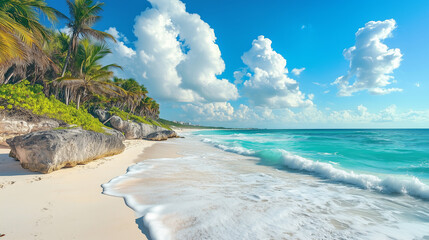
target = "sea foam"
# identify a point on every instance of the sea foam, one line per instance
(212, 195)
(233, 149)
(150, 214)
(413, 187)
(209, 194)
(389, 185)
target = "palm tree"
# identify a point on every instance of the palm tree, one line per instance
(19, 24)
(134, 93)
(83, 15)
(154, 107)
(92, 78)
(57, 48)
(22, 37)
(149, 108)
(12, 35)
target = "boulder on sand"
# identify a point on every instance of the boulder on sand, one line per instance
(162, 135)
(114, 132)
(48, 151)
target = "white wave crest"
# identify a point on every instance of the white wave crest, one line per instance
(390, 185)
(206, 140)
(413, 187)
(233, 149)
(238, 150)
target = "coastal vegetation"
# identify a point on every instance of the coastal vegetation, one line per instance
(60, 74)
(23, 96)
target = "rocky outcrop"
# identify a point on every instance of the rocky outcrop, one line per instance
(162, 135)
(114, 132)
(102, 115)
(21, 122)
(131, 129)
(47, 151)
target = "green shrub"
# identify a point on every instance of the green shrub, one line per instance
(30, 97)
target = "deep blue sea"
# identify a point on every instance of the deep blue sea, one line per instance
(283, 184)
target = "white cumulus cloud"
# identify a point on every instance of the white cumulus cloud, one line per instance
(219, 111)
(175, 55)
(269, 85)
(119, 47)
(223, 112)
(297, 71)
(239, 76)
(371, 61)
(245, 116)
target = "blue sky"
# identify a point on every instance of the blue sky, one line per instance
(307, 34)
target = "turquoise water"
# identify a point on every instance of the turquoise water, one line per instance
(388, 160)
(288, 184)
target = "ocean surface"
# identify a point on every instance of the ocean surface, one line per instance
(284, 184)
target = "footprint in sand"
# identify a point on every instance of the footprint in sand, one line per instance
(35, 179)
(2, 185)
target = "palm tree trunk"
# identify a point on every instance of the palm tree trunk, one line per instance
(69, 51)
(67, 61)
(78, 101)
(82, 95)
(67, 95)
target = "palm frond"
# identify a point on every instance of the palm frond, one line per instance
(99, 35)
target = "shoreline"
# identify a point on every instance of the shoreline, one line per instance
(69, 203)
(213, 193)
(183, 180)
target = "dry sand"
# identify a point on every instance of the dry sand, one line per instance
(67, 204)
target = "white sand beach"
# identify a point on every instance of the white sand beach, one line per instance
(67, 204)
